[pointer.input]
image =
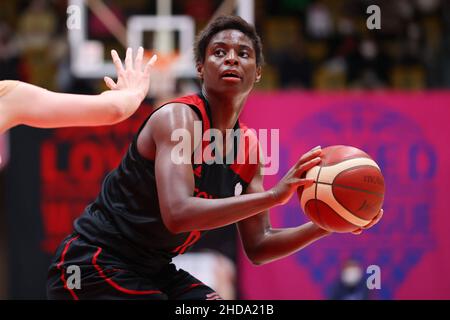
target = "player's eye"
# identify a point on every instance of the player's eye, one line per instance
(219, 52)
(244, 54)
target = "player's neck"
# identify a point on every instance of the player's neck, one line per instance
(225, 110)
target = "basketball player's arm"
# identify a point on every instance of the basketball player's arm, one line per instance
(180, 210)
(34, 106)
(264, 244)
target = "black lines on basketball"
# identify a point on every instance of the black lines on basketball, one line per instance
(351, 194)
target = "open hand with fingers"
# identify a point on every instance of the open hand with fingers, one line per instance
(134, 78)
(293, 179)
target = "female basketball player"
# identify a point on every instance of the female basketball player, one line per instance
(23, 103)
(156, 205)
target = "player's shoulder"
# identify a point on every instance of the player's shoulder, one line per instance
(166, 120)
(180, 104)
(173, 112)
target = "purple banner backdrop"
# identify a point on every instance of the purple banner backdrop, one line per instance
(408, 135)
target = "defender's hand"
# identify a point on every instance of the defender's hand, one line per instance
(132, 78)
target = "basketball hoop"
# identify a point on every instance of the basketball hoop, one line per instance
(163, 75)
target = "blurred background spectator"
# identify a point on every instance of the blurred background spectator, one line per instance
(351, 284)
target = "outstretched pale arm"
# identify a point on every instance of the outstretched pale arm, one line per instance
(34, 106)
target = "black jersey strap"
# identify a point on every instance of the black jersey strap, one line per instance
(195, 102)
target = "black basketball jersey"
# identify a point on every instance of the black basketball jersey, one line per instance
(125, 217)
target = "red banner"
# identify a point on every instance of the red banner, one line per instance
(73, 163)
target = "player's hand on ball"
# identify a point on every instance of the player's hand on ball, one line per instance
(133, 77)
(371, 224)
(289, 184)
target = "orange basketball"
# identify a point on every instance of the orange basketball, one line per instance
(348, 191)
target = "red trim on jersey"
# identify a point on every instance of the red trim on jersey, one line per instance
(193, 237)
(195, 285)
(192, 286)
(245, 170)
(248, 150)
(61, 262)
(198, 171)
(195, 100)
(114, 284)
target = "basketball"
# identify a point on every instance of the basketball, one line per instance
(348, 191)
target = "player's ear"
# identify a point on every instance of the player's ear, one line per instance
(258, 73)
(200, 70)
